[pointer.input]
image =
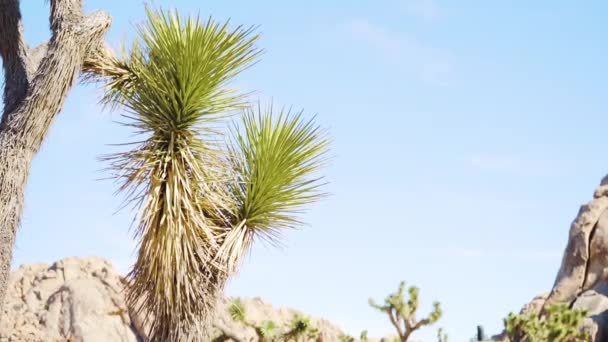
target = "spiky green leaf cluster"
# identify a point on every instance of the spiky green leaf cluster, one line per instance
(402, 312)
(274, 157)
(348, 338)
(558, 324)
(265, 331)
(301, 328)
(179, 70)
(300, 325)
(200, 202)
(237, 311)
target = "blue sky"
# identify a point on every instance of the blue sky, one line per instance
(467, 133)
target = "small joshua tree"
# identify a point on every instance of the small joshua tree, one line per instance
(559, 324)
(348, 338)
(402, 313)
(301, 329)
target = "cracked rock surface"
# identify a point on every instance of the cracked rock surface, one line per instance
(81, 300)
(73, 299)
(582, 280)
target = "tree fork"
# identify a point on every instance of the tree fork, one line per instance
(37, 81)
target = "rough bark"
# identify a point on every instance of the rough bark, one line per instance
(36, 84)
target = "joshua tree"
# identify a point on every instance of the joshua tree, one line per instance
(36, 82)
(201, 197)
(402, 313)
(301, 329)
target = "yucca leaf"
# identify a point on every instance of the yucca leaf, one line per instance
(275, 158)
(267, 329)
(237, 311)
(200, 204)
(301, 326)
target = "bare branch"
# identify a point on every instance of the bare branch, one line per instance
(73, 37)
(102, 62)
(395, 320)
(13, 50)
(35, 91)
(21, 63)
(65, 12)
(35, 56)
(99, 62)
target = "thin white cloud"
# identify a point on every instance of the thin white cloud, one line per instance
(432, 66)
(426, 9)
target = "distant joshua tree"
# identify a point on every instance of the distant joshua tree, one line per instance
(402, 312)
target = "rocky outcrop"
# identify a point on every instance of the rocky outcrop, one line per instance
(582, 280)
(81, 300)
(71, 300)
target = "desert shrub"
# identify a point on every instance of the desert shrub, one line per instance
(558, 324)
(300, 328)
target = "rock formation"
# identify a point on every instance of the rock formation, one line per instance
(81, 300)
(582, 280)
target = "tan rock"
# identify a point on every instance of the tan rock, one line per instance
(582, 280)
(75, 299)
(81, 300)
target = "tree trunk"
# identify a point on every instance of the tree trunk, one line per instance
(14, 170)
(36, 83)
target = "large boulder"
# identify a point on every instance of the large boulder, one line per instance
(582, 280)
(72, 300)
